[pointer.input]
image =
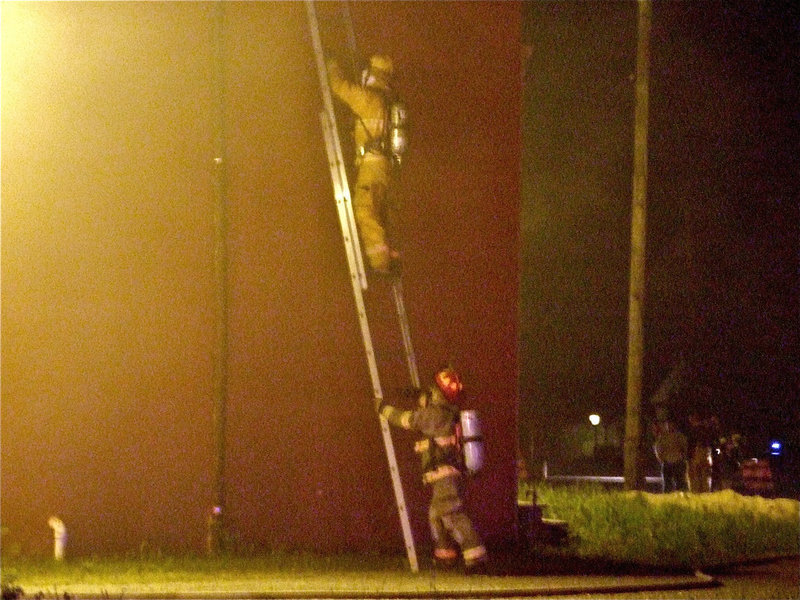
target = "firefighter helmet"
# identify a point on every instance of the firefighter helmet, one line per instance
(378, 73)
(448, 381)
(382, 64)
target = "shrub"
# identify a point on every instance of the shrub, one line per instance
(673, 530)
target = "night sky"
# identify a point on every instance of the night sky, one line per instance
(722, 222)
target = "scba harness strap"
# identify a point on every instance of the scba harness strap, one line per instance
(392, 140)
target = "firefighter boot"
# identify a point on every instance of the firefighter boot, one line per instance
(475, 560)
(384, 261)
(445, 558)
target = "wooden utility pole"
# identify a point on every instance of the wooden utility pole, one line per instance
(633, 425)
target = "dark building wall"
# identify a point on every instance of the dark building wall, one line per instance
(108, 298)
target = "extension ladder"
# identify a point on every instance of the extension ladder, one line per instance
(358, 276)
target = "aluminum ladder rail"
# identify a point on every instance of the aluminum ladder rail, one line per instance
(358, 275)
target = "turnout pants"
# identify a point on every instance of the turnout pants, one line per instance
(451, 528)
(373, 208)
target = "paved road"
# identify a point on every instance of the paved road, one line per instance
(777, 580)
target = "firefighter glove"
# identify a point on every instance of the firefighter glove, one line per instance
(412, 392)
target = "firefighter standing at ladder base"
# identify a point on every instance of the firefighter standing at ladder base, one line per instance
(437, 418)
(375, 139)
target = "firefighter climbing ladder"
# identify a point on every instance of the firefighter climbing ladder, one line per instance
(358, 275)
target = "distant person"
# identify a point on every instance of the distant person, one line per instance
(702, 435)
(374, 203)
(436, 418)
(728, 462)
(671, 449)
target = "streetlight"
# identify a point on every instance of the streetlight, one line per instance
(594, 419)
